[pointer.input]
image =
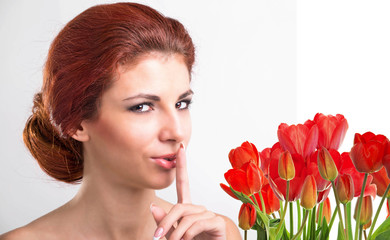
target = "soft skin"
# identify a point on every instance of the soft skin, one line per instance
(142, 117)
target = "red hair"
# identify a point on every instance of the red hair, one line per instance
(81, 63)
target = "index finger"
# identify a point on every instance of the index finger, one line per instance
(182, 183)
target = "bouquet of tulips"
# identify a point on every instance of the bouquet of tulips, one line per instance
(297, 174)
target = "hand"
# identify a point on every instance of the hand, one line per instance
(193, 222)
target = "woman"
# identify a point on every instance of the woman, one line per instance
(113, 114)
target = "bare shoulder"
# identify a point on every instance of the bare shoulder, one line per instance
(20, 233)
(232, 232)
(45, 227)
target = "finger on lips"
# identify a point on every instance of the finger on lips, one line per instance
(182, 182)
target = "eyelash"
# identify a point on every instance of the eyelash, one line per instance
(136, 108)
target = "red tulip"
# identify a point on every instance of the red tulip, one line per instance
(268, 155)
(331, 130)
(298, 139)
(313, 168)
(247, 152)
(279, 185)
(326, 211)
(309, 193)
(271, 202)
(248, 179)
(286, 168)
(247, 216)
(347, 167)
(344, 188)
(326, 165)
(366, 210)
(381, 180)
(368, 151)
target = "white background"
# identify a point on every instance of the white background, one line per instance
(259, 63)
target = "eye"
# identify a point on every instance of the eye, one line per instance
(141, 108)
(183, 104)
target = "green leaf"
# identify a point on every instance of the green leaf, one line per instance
(324, 234)
(244, 198)
(340, 235)
(384, 227)
(274, 222)
(383, 236)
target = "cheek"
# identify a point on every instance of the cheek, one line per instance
(124, 134)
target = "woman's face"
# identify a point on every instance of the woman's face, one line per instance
(142, 119)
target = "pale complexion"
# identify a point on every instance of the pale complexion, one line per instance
(130, 149)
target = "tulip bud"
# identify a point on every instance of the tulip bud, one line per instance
(326, 165)
(247, 216)
(367, 225)
(345, 188)
(286, 167)
(309, 193)
(326, 211)
(366, 210)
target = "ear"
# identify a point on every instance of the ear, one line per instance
(81, 134)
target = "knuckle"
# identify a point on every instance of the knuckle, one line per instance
(178, 207)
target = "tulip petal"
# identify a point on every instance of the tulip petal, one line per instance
(253, 178)
(228, 190)
(339, 134)
(311, 142)
(237, 180)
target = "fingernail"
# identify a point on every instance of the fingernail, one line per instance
(158, 233)
(182, 145)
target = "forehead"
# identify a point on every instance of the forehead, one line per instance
(152, 73)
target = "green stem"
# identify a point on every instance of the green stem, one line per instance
(377, 211)
(332, 220)
(299, 215)
(257, 204)
(338, 209)
(313, 223)
(245, 235)
(320, 214)
(360, 207)
(346, 221)
(285, 207)
(291, 219)
(349, 220)
(308, 235)
(262, 203)
(360, 232)
(301, 228)
(365, 234)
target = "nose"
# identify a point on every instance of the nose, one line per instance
(172, 127)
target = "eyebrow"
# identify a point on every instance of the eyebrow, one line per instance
(157, 98)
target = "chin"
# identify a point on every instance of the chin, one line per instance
(162, 183)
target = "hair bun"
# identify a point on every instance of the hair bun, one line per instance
(59, 157)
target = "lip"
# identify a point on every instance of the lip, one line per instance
(167, 161)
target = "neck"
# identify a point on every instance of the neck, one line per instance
(116, 211)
